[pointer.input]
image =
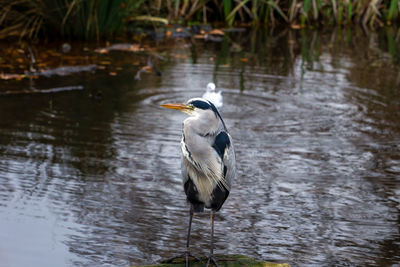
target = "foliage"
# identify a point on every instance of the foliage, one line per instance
(366, 12)
(97, 18)
(86, 19)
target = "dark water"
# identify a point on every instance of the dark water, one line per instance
(92, 177)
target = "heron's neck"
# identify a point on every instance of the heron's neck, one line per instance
(202, 125)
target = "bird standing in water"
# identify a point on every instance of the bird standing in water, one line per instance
(213, 96)
(208, 162)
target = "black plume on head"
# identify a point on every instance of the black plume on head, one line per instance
(203, 104)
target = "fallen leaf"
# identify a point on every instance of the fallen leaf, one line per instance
(244, 59)
(295, 26)
(216, 32)
(113, 73)
(10, 76)
(101, 50)
(147, 69)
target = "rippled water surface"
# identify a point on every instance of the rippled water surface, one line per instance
(92, 177)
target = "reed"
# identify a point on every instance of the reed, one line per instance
(93, 19)
(87, 19)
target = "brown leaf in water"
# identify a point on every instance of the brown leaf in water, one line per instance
(101, 50)
(216, 32)
(147, 69)
(179, 56)
(295, 26)
(11, 76)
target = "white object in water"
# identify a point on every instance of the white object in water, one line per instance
(213, 96)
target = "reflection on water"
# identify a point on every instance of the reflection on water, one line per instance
(96, 180)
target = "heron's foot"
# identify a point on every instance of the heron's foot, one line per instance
(211, 259)
(185, 255)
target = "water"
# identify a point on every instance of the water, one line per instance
(92, 177)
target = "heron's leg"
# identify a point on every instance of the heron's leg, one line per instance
(188, 236)
(187, 253)
(211, 256)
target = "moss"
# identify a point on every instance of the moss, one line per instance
(223, 260)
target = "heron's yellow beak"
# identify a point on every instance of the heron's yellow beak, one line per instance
(181, 107)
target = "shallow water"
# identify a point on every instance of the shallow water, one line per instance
(92, 177)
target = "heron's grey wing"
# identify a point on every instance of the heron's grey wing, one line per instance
(224, 147)
(184, 171)
(229, 161)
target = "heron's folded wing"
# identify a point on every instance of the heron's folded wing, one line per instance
(224, 147)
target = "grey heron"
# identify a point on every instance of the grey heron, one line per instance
(208, 161)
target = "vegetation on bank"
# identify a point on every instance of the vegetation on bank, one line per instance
(94, 19)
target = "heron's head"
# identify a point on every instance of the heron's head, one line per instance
(204, 114)
(194, 107)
